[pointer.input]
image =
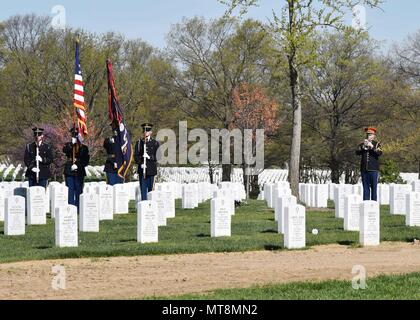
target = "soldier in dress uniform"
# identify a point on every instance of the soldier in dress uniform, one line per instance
(370, 151)
(78, 157)
(146, 158)
(38, 158)
(111, 166)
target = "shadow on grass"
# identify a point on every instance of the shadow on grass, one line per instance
(202, 235)
(269, 231)
(128, 240)
(346, 243)
(43, 247)
(272, 247)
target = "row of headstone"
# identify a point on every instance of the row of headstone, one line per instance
(273, 190)
(314, 195)
(195, 193)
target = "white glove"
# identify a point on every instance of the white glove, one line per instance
(111, 140)
(146, 156)
(38, 158)
(74, 167)
(370, 145)
(73, 140)
(115, 165)
(36, 170)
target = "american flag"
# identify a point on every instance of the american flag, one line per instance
(124, 154)
(79, 100)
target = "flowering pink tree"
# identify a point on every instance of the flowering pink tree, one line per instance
(253, 109)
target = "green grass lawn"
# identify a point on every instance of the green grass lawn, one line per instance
(253, 228)
(401, 287)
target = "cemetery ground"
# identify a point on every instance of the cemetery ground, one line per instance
(186, 260)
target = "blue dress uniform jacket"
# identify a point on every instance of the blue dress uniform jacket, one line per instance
(111, 148)
(82, 160)
(44, 167)
(152, 147)
(370, 157)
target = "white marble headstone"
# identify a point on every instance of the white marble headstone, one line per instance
(369, 223)
(415, 185)
(321, 196)
(189, 197)
(2, 200)
(341, 191)
(89, 212)
(383, 194)
(147, 222)
(121, 199)
(66, 234)
(59, 197)
(228, 195)
(106, 202)
(35, 206)
(352, 212)
(397, 201)
(162, 206)
(220, 217)
(282, 192)
(283, 202)
(14, 218)
(168, 195)
(295, 227)
(48, 199)
(413, 209)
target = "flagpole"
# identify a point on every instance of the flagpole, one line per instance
(75, 109)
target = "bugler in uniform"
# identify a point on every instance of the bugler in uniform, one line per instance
(38, 158)
(370, 151)
(146, 158)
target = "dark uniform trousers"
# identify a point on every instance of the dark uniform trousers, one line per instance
(146, 185)
(152, 149)
(75, 179)
(369, 168)
(42, 182)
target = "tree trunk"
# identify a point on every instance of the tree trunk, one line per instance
(211, 170)
(254, 187)
(226, 171)
(246, 180)
(297, 130)
(335, 171)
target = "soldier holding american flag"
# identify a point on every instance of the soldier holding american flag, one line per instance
(76, 152)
